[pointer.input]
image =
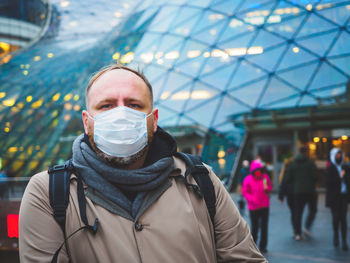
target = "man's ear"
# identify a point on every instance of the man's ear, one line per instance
(85, 121)
(155, 119)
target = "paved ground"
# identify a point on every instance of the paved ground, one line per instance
(282, 248)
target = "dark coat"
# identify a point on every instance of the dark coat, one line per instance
(333, 184)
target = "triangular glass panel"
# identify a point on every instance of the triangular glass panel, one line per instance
(237, 46)
(228, 107)
(185, 18)
(148, 43)
(299, 77)
(192, 66)
(338, 15)
(166, 113)
(208, 21)
(295, 56)
(308, 101)
(176, 100)
(285, 103)
(164, 18)
(327, 76)
(185, 121)
(342, 45)
(224, 6)
(200, 3)
(319, 44)
(158, 85)
(287, 27)
(147, 14)
(313, 25)
(200, 96)
(219, 77)
(276, 91)
(210, 35)
(342, 63)
(330, 93)
(192, 49)
(235, 28)
(216, 63)
(266, 39)
(154, 72)
(253, 5)
(269, 59)
(204, 114)
(249, 94)
(245, 74)
(174, 82)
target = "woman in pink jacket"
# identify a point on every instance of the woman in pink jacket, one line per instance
(256, 189)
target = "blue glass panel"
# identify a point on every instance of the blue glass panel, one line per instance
(234, 28)
(165, 113)
(296, 56)
(285, 103)
(249, 94)
(266, 39)
(210, 34)
(164, 18)
(253, 5)
(246, 73)
(327, 76)
(276, 91)
(148, 43)
(147, 14)
(154, 72)
(315, 24)
(225, 6)
(205, 113)
(338, 15)
(190, 50)
(184, 15)
(184, 121)
(319, 44)
(185, 28)
(287, 27)
(208, 20)
(342, 63)
(241, 42)
(342, 46)
(332, 92)
(200, 96)
(177, 100)
(269, 59)
(307, 101)
(158, 85)
(191, 67)
(220, 77)
(299, 77)
(174, 82)
(200, 3)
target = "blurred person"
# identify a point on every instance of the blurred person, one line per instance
(136, 189)
(302, 175)
(286, 190)
(3, 177)
(256, 190)
(338, 195)
(242, 175)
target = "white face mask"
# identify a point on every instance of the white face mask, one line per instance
(121, 131)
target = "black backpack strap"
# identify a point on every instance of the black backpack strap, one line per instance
(59, 183)
(200, 174)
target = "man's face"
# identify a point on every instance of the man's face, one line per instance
(117, 88)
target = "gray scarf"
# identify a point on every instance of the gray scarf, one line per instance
(108, 181)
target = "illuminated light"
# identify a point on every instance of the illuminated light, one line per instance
(320, 7)
(12, 225)
(21, 66)
(21, 148)
(14, 109)
(118, 14)
(68, 106)
(8, 124)
(114, 22)
(42, 16)
(172, 55)
(5, 47)
(165, 95)
(126, 6)
(127, 58)
(201, 95)
(309, 7)
(274, 19)
(217, 53)
(160, 61)
(348, 7)
(68, 97)
(221, 154)
(296, 49)
(9, 102)
(147, 57)
(27, 66)
(29, 98)
(255, 50)
(312, 146)
(76, 97)
(49, 55)
(344, 137)
(54, 113)
(37, 58)
(206, 54)
(213, 17)
(255, 20)
(56, 97)
(73, 23)
(193, 53)
(20, 105)
(222, 163)
(12, 149)
(324, 139)
(77, 107)
(116, 56)
(7, 129)
(236, 51)
(316, 139)
(158, 55)
(2, 95)
(212, 32)
(37, 147)
(182, 95)
(37, 104)
(235, 23)
(66, 117)
(25, 72)
(186, 31)
(65, 3)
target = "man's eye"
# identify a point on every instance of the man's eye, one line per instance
(106, 106)
(136, 106)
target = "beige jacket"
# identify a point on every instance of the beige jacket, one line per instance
(176, 228)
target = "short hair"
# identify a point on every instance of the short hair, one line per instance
(108, 68)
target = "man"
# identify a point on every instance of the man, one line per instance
(133, 186)
(302, 175)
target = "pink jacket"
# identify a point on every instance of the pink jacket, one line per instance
(253, 189)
